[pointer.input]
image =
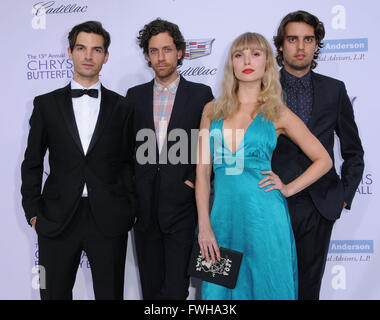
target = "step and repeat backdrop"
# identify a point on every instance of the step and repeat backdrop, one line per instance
(35, 61)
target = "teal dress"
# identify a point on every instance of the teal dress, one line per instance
(247, 219)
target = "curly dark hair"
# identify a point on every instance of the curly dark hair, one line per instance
(158, 26)
(299, 16)
(89, 27)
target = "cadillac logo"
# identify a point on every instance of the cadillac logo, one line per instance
(197, 48)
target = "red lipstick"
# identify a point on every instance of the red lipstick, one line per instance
(248, 71)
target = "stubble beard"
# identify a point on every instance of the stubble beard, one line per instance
(298, 67)
(165, 74)
(87, 74)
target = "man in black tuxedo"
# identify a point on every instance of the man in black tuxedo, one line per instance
(164, 107)
(87, 200)
(323, 104)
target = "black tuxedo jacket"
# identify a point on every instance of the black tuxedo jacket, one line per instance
(160, 187)
(106, 168)
(332, 112)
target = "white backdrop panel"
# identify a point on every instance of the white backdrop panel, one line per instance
(35, 61)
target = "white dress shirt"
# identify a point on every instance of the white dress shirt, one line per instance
(86, 111)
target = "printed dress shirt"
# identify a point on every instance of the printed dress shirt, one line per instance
(163, 101)
(299, 94)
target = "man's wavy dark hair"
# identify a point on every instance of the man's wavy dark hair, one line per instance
(158, 26)
(299, 16)
(89, 27)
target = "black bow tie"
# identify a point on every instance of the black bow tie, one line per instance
(76, 93)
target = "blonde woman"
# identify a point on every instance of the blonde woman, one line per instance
(239, 132)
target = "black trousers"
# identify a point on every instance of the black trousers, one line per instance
(312, 233)
(60, 258)
(163, 260)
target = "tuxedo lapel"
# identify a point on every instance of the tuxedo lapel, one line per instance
(179, 107)
(148, 110)
(106, 107)
(147, 104)
(66, 105)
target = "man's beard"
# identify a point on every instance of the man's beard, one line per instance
(165, 73)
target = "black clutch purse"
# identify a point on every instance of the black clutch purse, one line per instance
(224, 272)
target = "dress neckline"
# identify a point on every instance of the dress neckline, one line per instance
(240, 142)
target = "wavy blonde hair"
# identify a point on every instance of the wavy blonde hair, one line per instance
(270, 98)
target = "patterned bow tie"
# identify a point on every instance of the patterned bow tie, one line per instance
(76, 93)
